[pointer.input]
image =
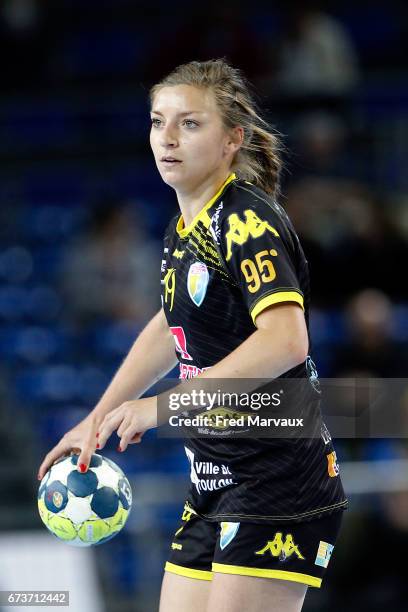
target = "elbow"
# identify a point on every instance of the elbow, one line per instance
(298, 350)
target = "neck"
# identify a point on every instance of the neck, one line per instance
(193, 200)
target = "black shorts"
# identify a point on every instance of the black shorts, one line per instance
(299, 552)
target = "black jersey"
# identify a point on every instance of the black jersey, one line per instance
(239, 256)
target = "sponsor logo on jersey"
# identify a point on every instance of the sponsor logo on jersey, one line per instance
(205, 475)
(218, 417)
(325, 434)
(312, 374)
(176, 546)
(239, 231)
(197, 282)
(215, 229)
(282, 548)
(228, 533)
(324, 552)
(332, 465)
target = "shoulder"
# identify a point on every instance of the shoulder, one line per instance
(246, 205)
(171, 227)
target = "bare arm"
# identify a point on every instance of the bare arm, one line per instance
(150, 358)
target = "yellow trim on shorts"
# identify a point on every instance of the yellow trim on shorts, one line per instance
(276, 298)
(267, 573)
(187, 571)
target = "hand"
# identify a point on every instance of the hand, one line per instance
(81, 439)
(131, 420)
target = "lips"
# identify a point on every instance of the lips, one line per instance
(169, 159)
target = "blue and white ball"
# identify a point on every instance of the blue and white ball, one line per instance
(84, 509)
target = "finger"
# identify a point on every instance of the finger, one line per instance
(137, 438)
(126, 437)
(55, 453)
(88, 448)
(125, 424)
(108, 427)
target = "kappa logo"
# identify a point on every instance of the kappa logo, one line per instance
(239, 231)
(281, 548)
(197, 282)
(228, 533)
(324, 552)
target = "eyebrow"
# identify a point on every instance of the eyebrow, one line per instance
(179, 114)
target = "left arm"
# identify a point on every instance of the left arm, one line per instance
(279, 343)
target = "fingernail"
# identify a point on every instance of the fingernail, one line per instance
(119, 449)
(38, 477)
(98, 445)
(97, 434)
(82, 467)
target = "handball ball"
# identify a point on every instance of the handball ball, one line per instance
(84, 509)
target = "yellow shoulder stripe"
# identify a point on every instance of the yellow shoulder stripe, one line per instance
(276, 298)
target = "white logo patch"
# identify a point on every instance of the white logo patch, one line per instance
(197, 282)
(228, 533)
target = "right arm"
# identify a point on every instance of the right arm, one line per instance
(151, 357)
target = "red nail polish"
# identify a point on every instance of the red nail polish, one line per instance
(119, 449)
(98, 446)
(82, 467)
(97, 434)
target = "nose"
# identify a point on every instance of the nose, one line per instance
(169, 137)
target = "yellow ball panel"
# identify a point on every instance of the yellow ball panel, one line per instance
(92, 531)
(62, 527)
(117, 521)
(44, 513)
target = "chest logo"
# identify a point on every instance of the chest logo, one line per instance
(197, 282)
(239, 230)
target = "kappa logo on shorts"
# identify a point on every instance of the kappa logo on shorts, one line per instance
(324, 552)
(197, 282)
(282, 549)
(228, 533)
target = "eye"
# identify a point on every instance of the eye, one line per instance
(189, 123)
(156, 122)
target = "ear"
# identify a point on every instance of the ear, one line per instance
(234, 140)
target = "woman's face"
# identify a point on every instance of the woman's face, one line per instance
(188, 139)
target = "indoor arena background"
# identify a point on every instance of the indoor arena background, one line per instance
(82, 213)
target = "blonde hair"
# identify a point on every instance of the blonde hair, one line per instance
(258, 159)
